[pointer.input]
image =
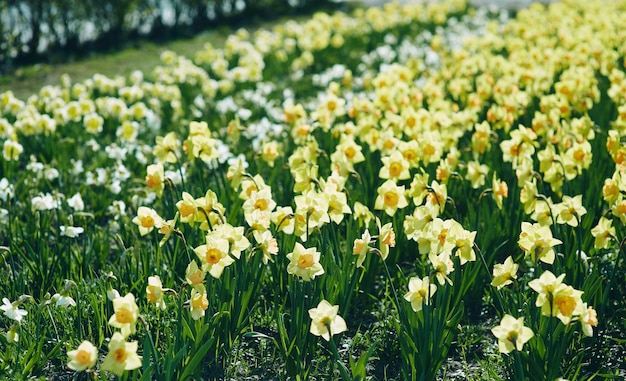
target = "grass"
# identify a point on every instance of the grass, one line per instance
(143, 56)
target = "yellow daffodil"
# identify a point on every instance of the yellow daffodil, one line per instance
(361, 247)
(125, 314)
(82, 358)
(122, 355)
(511, 334)
(536, 241)
(304, 262)
(390, 198)
(198, 303)
(214, 255)
(147, 219)
(155, 292)
(420, 292)
(325, 320)
(504, 273)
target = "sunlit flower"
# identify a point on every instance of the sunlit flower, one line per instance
(395, 167)
(155, 178)
(83, 357)
(122, 355)
(76, 202)
(442, 265)
(125, 315)
(11, 150)
(420, 292)
(267, 244)
(325, 320)
(304, 262)
(570, 210)
(603, 232)
(155, 292)
(198, 302)
(386, 238)
(536, 241)
(500, 190)
(361, 247)
(511, 334)
(556, 298)
(390, 198)
(214, 255)
(362, 214)
(12, 311)
(166, 149)
(147, 219)
(503, 273)
(71, 231)
(588, 320)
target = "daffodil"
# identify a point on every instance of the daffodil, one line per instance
(325, 320)
(125, 314)
(536, 241)
(198, 302)
(511, 334)
(570, 210)
(304, 262)
(390, 197)
(420, 292)
(588, 320)
(603, 232)
(214, 255)
(84, 357)
(155, 292)
(122, 355)
(361, 247)
(147, 219)
(12, 311)
(504, 273)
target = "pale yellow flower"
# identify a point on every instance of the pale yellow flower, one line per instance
(325, 320)
(83, 357)
(390, 198)
(304, 263)
(511, 334)
(122, 355)
(125, 315)
(503, 273)
(420, 292)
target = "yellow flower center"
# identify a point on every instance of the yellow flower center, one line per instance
(332, 105)
(120, 355)
(395, 169)
(566, 304)
(350, 152)
(200, 302)
(305, 261)
(213, 255)
(147, 222)
(123, 316)
(152, 294)
(411, 121)
(579, 155)
(391, 199)
(153, 181)
(512, 336)
(260, 204)
(83, 357)
(186, 210)
(429, 150)
(442, 236)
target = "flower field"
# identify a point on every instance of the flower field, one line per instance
(413, 192)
